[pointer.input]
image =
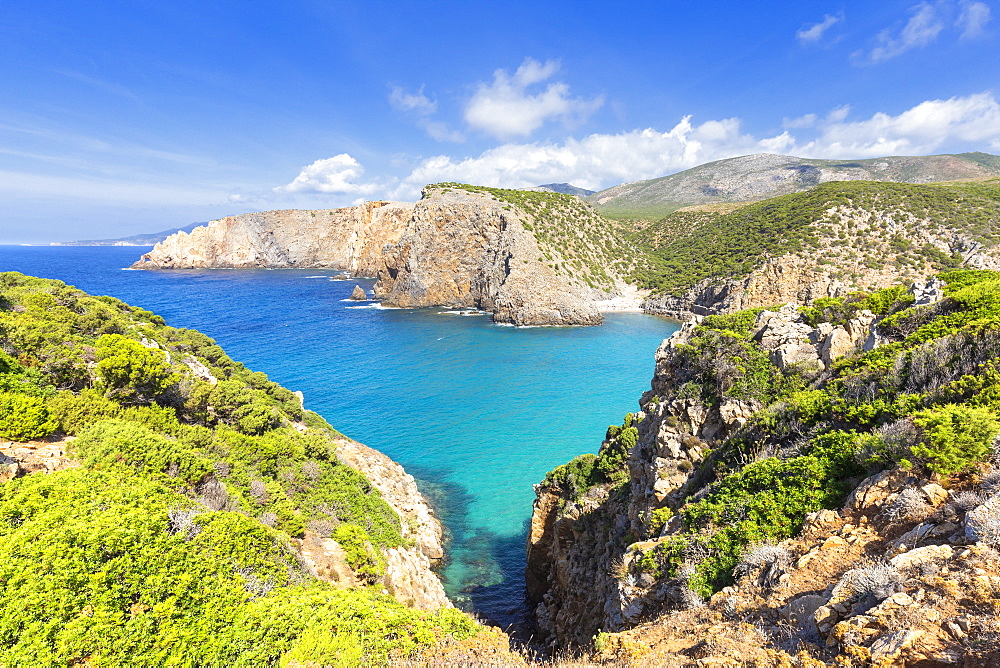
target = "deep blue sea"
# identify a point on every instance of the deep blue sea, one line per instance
(477, 412)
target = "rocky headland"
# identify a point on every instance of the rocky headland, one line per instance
(348, 239)
(782, 498)
(537, 258)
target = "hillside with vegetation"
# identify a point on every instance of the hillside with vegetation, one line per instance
(801, 486)
(754, 177)
(173, 535)
(575, 241)
(839, 236)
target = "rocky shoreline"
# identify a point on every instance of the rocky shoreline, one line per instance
(454, 248)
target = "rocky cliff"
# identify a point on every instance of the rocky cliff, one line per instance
(468, 248)
(408, 576)
(350, 239)
(834, 240)
(529, 258)
(717, 522)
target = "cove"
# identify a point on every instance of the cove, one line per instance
(477, 412)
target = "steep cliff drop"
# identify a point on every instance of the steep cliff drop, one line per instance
(456, 247)
(780, 498)
(466, 249)
(349, 239)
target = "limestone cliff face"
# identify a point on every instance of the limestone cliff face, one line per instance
(454, 248)
(463, 249)
(349, 239)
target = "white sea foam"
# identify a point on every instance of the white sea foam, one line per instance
(375, 305)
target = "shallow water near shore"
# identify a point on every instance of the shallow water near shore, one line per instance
(478, 413)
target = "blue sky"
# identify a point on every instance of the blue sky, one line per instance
(126, 117)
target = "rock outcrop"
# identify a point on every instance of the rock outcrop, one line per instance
(584, 549)
(349, 239)
(408, 574)
(455, 248)
(466, 249)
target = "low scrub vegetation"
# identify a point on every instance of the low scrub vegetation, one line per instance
(172, 543)
(927, 400)
(858, 226)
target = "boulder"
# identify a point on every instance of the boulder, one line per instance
(359, 294)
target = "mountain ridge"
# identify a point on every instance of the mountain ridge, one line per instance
(759, 176)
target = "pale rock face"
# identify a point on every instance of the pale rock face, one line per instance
(456, 249)
(409, 575)
(463, 249)
(572, 561)
(348, 239)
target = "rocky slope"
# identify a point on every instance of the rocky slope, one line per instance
(715, 526)
(489, 249)
(754, 177)
(350, 239)
(834, 240)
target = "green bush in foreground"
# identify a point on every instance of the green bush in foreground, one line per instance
(955, 437)
(23, 417)
(94, 568)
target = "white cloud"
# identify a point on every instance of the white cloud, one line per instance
(923, 129)
(423, 107)
(415, 102)
(598, 159)
(505, 108)
(338, 174)
(815, 32)
(972, 19)
(922, 28)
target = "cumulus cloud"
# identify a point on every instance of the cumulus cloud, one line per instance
(923, 129)
(972, 19)
(813, 33)
(506, 108)
(599, 160)
(338, 174)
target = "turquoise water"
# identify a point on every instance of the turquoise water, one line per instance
(476, 411)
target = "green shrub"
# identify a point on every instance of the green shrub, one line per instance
(112, 584)
(954, 437)
(130, 372)
(114, 443)
(23, 417)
